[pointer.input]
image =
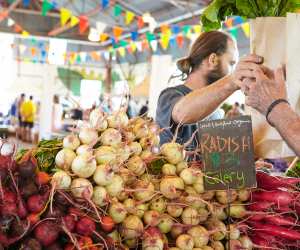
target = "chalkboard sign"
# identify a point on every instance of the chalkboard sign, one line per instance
(227, 153)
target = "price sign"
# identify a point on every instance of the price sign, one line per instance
(227, 153)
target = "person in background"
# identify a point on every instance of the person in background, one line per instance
(144, 109)
(131, 107)
(57, 114)
(266, 92)
(13, 113)
(234, 112)
(36, 128)
(211, 75)
(20, 129)
(28, 110)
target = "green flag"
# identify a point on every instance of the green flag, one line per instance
(234, 32)
(186, 29)
(46, 6)
(117, 10)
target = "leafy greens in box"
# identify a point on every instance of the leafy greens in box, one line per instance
(218, 10)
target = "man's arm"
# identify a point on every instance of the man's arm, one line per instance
(200, 103)
(287, 122)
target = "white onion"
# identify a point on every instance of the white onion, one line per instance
(144, 190)
(165, 224)
(84, 166)
(118, 120)
(129, 204)
(88, 135)
(141, 130)
(185, 242)
(118, 212)
(199, 184)
(127, 176)
(181, 166)
(64, 158)
(177, 230)
(152, 243)
(136, 165)
(123, 154)
(7, 148)
(84, 149)
(116, 186)
(188, 176)
(146, 154)
(234, 232)
(168, 169)
(103, 175)
(97, 120)
(99, 196)
(106, 155)
(122, 196)
(214, 224)
(244, 194)
(225, 197)
(170, 186)
(82, 188)
(190, 216)
(174, 210)
(217, 245)
(141, 209)
(131, 243)
(173, 152)
(71, 142)
(132, 227)
(135, 148)
(151, 218)
(246, 242)
(61, 180)
(111, 137)
(158, 205)
(199, 235)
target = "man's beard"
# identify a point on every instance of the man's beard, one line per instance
(214, 75)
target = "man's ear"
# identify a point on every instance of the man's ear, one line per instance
(213, 60)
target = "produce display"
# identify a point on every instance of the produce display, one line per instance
(113, 187)
(218, 10)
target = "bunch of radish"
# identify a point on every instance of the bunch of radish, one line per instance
(275, 211)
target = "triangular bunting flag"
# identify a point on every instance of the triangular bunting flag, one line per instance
(172, 42)
(78, 58)
(164, 28)
(129, 17)
(153, 45)
(43, 53)
(234, 32)
(133, 47)
(65, 15)
(186, 29)
(100, 26)
(25, 33)
(140, 22)
(83, 24)
(197, 29)
(145, 44)
(103, 37)
(33, 51)
(122, 51)
(176, 29)
(106, 55)
(46, 7)
(22, 48)
(246, 29)
(105, 3)
(26, 3)
(165, 39)
(134, 36)
(74, 21)
(139, 46)
(83, 56)
(117, 31)
(10, 22)
(117, 10)
(229, 22)
(17, 28)
(239, 20)
(180, 41)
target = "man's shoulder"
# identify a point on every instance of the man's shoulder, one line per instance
(179, 89)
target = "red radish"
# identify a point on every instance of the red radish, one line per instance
(278, 231)
(33, 218)
(280, 198)
(36, 203)
(107, 223)
(260, 206)
(9, 196)
(22, 210)
(281, 220)
(75, 212)
(85, 226)
(256, 217)
(42, 178)
(46, 233)
(268, 182)
(70, 222)
(9, 208)
(153, 232)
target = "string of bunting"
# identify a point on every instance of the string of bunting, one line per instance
(170, 36)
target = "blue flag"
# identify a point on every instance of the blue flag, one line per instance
(105, 3)
(134, 35)
(26, 3)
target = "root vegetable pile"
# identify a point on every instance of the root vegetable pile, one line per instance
(113, 187)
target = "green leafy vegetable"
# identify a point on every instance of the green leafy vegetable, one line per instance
(219, 10)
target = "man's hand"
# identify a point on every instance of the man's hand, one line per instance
(245, 69)
(265, 89)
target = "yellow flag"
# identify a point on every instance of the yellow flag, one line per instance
(103, 37)
(129, 17)
(165, 39)
(25, 33)
(74, 21)
(133, 46)
(246, 29)
(65, 15)
(122, 51)
(197, 29)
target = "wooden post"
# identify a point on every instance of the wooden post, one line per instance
(108, 80)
